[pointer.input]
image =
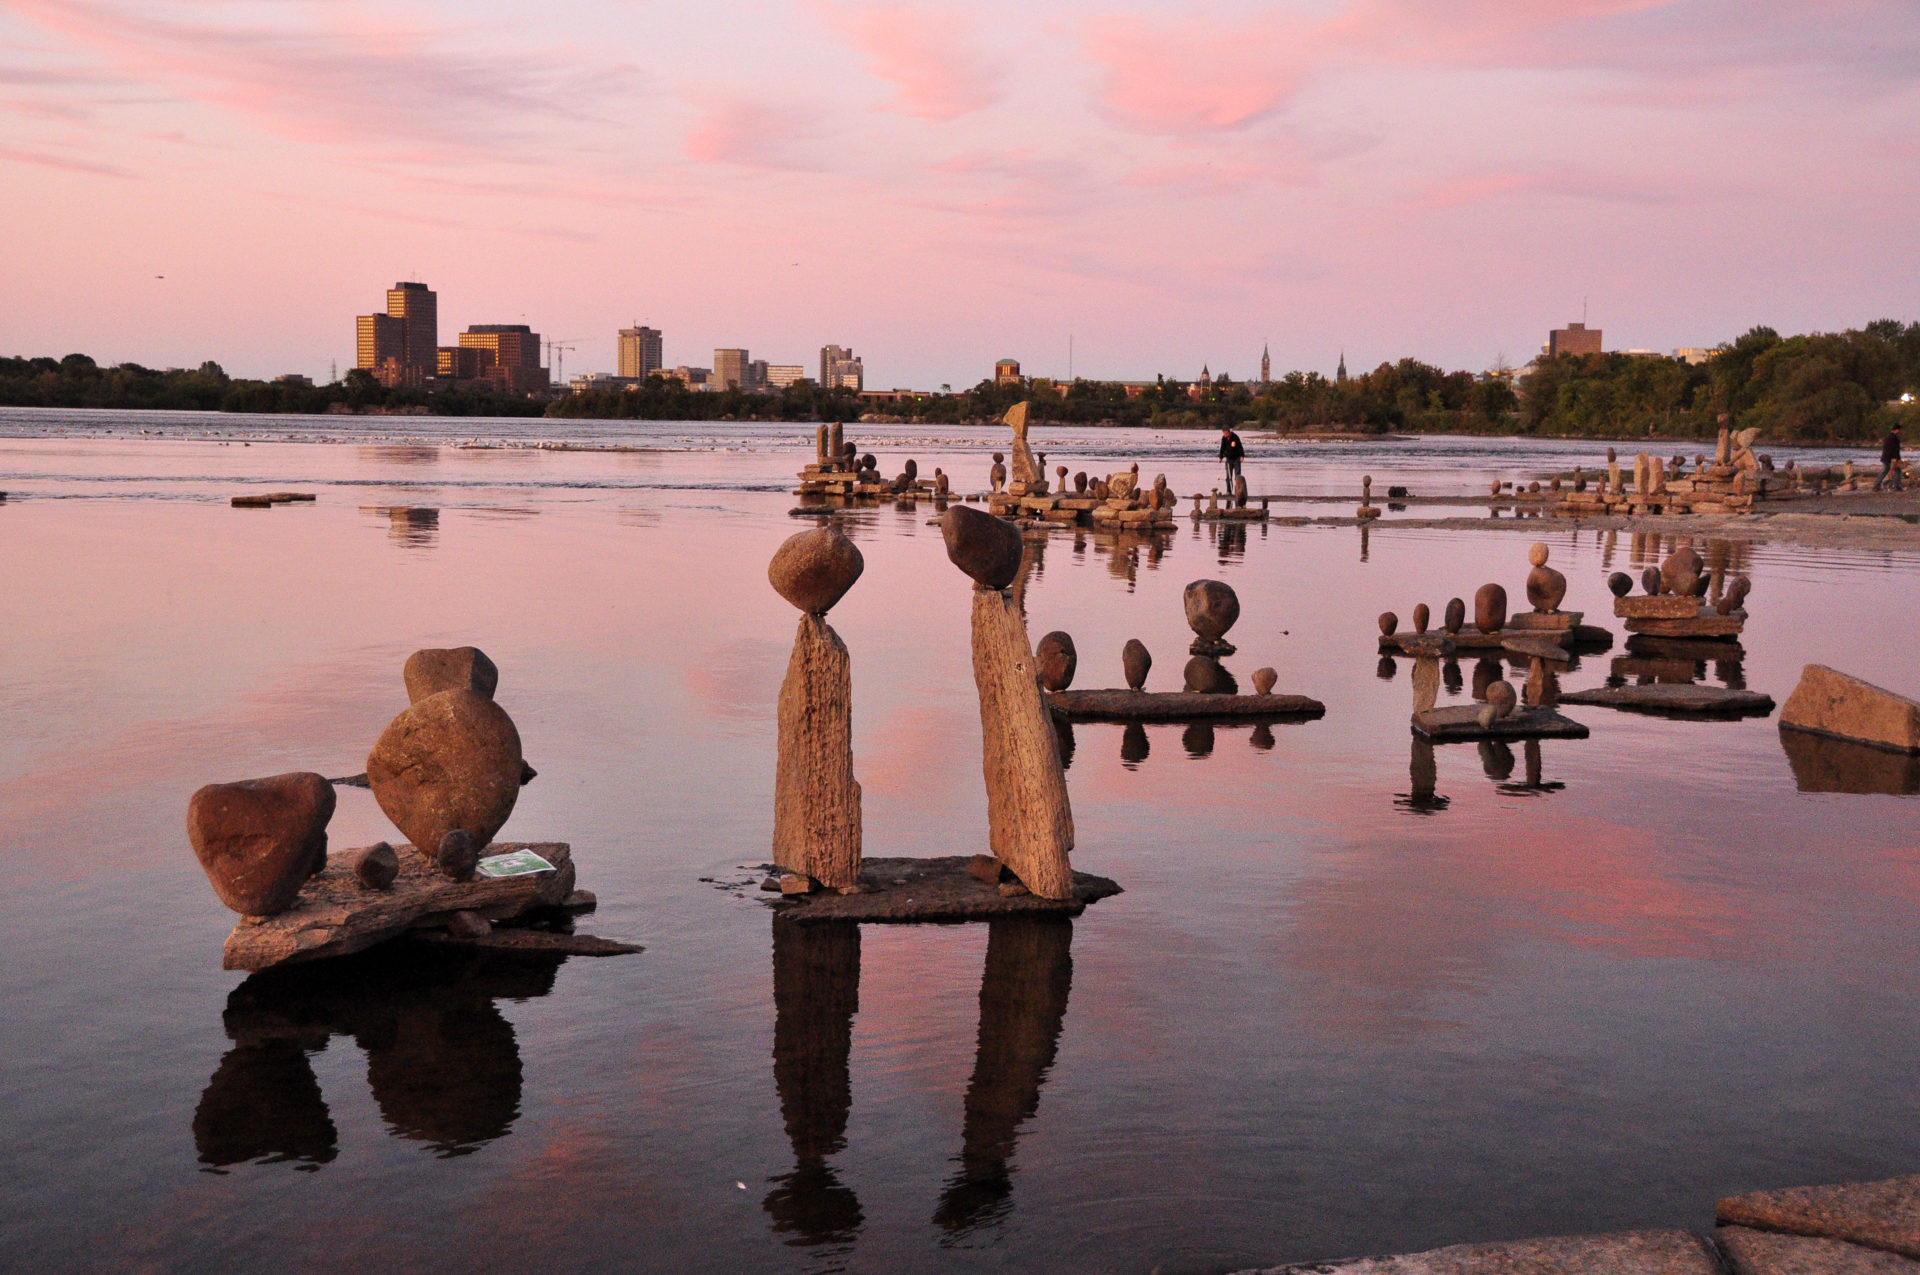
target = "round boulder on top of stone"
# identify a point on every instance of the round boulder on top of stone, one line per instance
(450, 761)
(1421, 617)
(438, 669)
(1389, 623)
(1456, 615)
(814, 569)
(1212, 607)
(1619, 584)
(1650, 581)
(1135, 661)
(1055, 660)
(1546, 588)
(1490, 608)
(985, 547)
(1207, 676)
(1680, 573)
(259, 840)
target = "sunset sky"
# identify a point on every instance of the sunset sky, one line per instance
(941, 184)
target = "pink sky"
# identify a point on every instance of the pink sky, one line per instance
(941, 184)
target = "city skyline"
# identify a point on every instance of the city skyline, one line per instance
(940, 185)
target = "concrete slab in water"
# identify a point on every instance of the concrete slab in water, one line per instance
(941, 889)
(1769, 1253)
(1678, 698)
(1883, 1215)
(1624, 1253)
(1461, 722)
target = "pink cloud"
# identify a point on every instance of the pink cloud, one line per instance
(926, 54)
(754, 134)
(9, 155)
(1168, 76)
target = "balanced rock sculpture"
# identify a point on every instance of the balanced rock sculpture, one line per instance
(451, 760)
(1421, 617)
(1029, 819)
(1389, 624)
(434, 670)
(816, 799)
(1490, 608)
(1055, 659)
(1501, 700)
(1212, 607)
(1620, 584)
(1680, 573)
(1546, 588)
(1135, 661)
(1456, 615)
(259, 840)
(997, 476)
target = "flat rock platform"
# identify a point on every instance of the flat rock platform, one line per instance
(1180, 706)
(1679, 699)
(335, 914)
(1625, 1253)
(1460, 723)
(904, 890)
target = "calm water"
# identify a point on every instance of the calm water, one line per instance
(1588, 988)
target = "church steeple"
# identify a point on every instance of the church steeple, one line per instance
(1341, 374)
(1266, 366)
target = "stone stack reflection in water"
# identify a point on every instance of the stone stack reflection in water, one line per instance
(1030, 823)
(816, 804)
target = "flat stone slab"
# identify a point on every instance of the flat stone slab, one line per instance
(1592, 637)
(1461, 722)
(1829, 702)
(1545, 621)
(1768, 1253)
(1656, 607)
(1709, 623)
(904, 890)
(1883, 1215)
(1537, 646)
(336, 915)
(1623, 1253)
(1180, 706)
(1690, 699)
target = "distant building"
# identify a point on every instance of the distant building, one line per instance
(1340, 373)
(399, 346)
(588, 382)
(756, 375)
(1694, 355)
(781, 375)
(1575, 338)
(1006, 372)
(294, 378)
(694, 378)
(730, 370)
(640, 352)
(841, 369)
(1266, 367)
(508, 356)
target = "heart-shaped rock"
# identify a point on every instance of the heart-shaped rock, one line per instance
(450, 761)
(436, 669)
(1212, 607)
(814, 569)
(259, 840)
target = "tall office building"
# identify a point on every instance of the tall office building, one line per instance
(378, 342)
(1006, 372)
(640, 352)
(841, 369)
(509, 356)
(781, 375)
(401, 346)
(1575, 338)
(730, 370)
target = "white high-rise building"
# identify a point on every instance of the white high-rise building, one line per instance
(840, 369)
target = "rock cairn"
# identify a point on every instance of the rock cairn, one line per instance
(1029, 819)
(1212, 607)
(1366, 512)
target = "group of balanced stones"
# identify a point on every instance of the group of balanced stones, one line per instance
(1683, 574)
(1546, 590)
(1212, 608)
(446, 771)
(817, 822)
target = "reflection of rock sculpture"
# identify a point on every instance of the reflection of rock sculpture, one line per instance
(1030, 822)
(816, 811)
(816, 993)
(260, 840)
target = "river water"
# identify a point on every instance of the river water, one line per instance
(1589, 986)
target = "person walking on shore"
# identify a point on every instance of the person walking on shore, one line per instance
(1232, 452)
(1889, 460)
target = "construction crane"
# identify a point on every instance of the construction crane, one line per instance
(557, 355)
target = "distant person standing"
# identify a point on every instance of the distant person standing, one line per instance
(1232, 452)
(1889, 460)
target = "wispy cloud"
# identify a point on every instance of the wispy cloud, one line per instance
(751, 133)
(10, 155)
(928, 54)
(1183, 75)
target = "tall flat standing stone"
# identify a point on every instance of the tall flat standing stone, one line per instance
(816, 799)
(1029, 820)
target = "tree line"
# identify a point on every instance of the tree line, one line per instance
(1815, 387)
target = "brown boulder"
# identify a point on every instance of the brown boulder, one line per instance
(1263, 680)
(450, 761)
(1054, 660)
(1829, 702)
(1456, 615)
(1546, 589)
(457, 856)
(375, 866)
(1212, 607)
(259, 840)
(1389, 623)
(1420, 617)
(439, 669)
(1680, 573)
(814, 569)
(1490, 608)
(1650, 581)
(1736, 594)
(1620, 584)
(1135, 661)
(985, 547)
(1206, 676)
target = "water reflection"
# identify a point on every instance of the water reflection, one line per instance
(1134, 745)
(1679, 661)
(442, 1062)
(1824, 764)
(816, 992)
(413, 526)
(400, 454)
(1423, 774)
(1124, 549)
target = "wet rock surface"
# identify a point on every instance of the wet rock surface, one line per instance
(1135, 661)
(1055, 660)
